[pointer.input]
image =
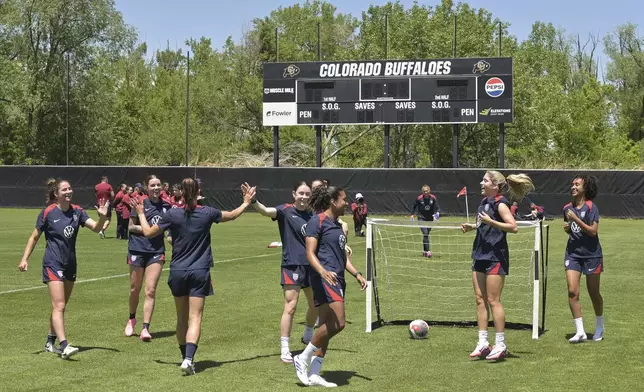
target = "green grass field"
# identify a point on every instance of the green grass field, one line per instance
(239, 349)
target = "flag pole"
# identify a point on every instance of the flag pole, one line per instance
(467, 209)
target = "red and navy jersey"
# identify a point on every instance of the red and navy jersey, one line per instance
(137, 242)
(190, 231)
(61, 229)
(426, 207)
(292, 226)
(490, 243)
(331, 243)
(581, 245)
(174, 203)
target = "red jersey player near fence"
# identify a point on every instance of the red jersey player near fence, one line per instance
(104, 193)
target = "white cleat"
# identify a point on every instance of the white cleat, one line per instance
(481, 351)
(578, 338)
(101, 234)
(286, 357)
(301, 369)
(187, 367)
(316, 380)
(598, 336)
(51, 348)
(68, 352)
(499, 352)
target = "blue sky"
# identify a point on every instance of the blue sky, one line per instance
(160, 21)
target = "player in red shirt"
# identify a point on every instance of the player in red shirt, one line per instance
(120, 226)
(165, 191)
(104, 193)
(359, 209)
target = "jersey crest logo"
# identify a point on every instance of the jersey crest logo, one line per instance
(583, 214)
(68, 232)
(295, 276)
(155, 219)
(427, 208)
(75, 218)
(487, 207)
(60, 273)
(303, 230)
(343, 241)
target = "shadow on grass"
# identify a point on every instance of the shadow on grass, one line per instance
(80, 350)
(200, 366)
(163, 334)
(339, 377)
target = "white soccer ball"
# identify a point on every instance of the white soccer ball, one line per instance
(418, 329)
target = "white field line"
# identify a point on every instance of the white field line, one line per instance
(124, 275)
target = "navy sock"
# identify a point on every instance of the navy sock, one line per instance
(146, 326)
(63, 344)
(182, 347)
(51, 338)
(132, 316)
(191, 349)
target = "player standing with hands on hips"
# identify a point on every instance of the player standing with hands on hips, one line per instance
(189, 277)
(428, 210)
(326, 252)
(60, 222)
(491, 256)
(584, 253)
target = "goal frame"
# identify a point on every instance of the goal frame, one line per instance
(539, 261)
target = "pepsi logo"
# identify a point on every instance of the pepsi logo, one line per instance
(494, 87)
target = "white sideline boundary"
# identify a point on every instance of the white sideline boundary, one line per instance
(124, 275)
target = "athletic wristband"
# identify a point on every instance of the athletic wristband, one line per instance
(253, 201)
(357, 273)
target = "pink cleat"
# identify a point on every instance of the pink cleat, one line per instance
(427, 254)
(481, 351)
(145, 335)
(129, 327)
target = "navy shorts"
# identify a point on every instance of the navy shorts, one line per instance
(591, 266)
(297, 275)
(489, 267)
(192, 283)
(144, 259)
(59, 273)
(324, 293)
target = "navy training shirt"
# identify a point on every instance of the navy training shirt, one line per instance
(61, 229)
(137, 242)
(190, 231)
(331, 243)
(491, 243)
(580, 244)
(292, 225)
(426, 207)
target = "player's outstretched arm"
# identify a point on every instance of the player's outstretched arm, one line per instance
(270, 212)
(102, 217)
(31, 244)
(249, 195)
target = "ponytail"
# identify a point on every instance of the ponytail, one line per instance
(52, 190)
(190, 193)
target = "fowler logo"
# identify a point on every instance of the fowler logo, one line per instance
(275, 113)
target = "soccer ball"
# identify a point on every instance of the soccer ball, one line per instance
(418, 329)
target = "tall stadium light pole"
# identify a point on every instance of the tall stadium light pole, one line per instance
(188, 111)
(387, 126)
(276, 129)
(501, 125)
(318, 128)
(67, 115)
(455, 126)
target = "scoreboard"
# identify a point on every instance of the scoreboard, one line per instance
(436, 91)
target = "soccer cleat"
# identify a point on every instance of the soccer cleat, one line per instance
(187, 367)
(316, 380)
(51, 348)
(427, 254)
(481, 351)
(578, 338)
(305, 341)
(301, 369)
(68, 352)
(101, 234)
(598, 336)
(286, 357)
(499, 351)
(145, 335)
(129, 327)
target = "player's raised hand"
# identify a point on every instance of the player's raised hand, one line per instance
(249, 194)
(136, 206)
(102, 209)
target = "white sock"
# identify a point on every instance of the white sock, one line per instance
(308, 333)
(579, 325)
(284, 341)
(500, 338)
(316, 365)
(483, 337)
(600, 323)
(308, 353)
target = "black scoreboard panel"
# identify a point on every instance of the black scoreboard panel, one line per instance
(389, 92)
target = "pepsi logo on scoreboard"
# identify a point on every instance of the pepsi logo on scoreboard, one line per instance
(494, 87)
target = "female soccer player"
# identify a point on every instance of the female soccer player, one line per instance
(584, 253)
(427, 206)
(121, 224)
(60, 221)
(491, 256)
(325, 251)
(189, 277)
(145, 257)
(176, 200)
(296, 270)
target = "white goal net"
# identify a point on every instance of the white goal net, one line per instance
(406, 284)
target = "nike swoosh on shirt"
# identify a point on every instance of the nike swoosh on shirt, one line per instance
(148, 209)
(56, 220)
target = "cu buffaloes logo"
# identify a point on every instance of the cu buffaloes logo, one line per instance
(291, 71)
(481, 67)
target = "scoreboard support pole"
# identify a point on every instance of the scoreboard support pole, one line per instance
(501, 125)
(276, 129)
(455, 126)
(318, 146)
(387, 127)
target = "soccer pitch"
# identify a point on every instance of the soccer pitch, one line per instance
(239, 348)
